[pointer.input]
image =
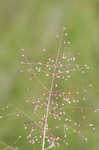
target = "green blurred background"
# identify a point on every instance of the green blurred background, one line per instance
(33, 25)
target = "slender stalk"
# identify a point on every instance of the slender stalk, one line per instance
(49, 99)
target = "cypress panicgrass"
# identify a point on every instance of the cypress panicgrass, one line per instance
(60, 104)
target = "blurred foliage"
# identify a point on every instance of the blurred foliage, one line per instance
(33, 25)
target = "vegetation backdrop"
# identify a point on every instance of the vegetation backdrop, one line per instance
(32, 25)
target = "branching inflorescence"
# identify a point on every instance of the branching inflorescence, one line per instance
(61, 107)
